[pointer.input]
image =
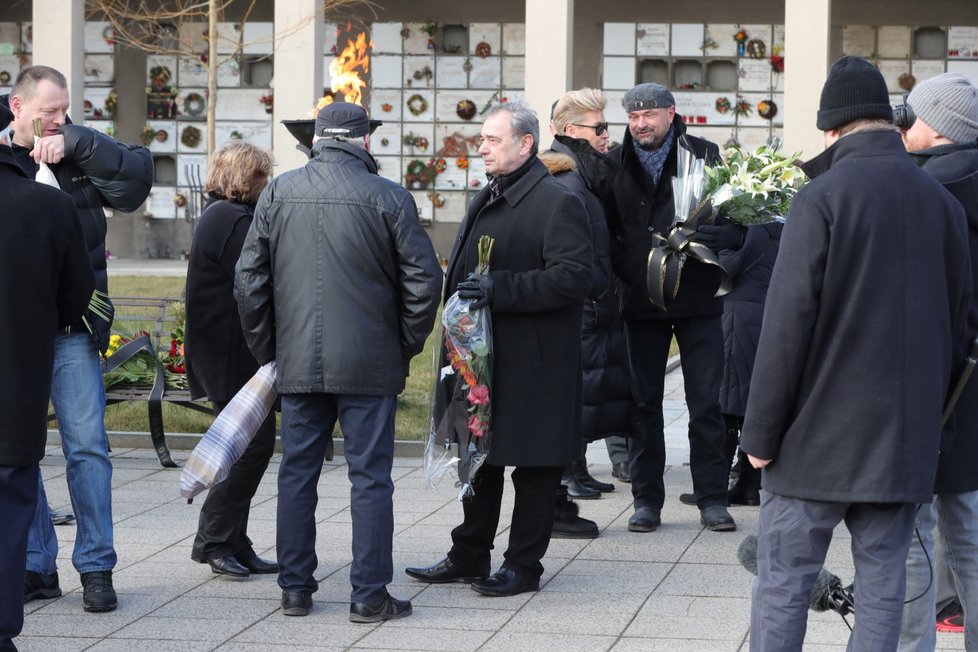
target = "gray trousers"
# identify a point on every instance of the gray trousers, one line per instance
(792, 542)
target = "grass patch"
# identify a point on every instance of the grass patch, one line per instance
(412, 404)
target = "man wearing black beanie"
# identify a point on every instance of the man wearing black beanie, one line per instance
(865, 322)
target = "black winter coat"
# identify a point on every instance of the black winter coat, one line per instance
(337, 281)
(956, 167)
(218, 360)
(606, 380)
(639, 209)
(743, 309)
(541, 270)
(865, 315)
(97, 171)
(46, 282)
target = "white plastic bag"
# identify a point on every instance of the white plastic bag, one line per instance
(44, 174)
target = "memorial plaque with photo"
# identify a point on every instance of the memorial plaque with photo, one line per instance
(389, 132)
(414, 40)
(717, 107)
(695, 108)
(452, 178)
(106, 127)
(159, 203)
(193, 72)
(652, 39)
(425, 209)
(256, 133)
(754, 117)
(418, 105)
(482, 35)
(161, 91)
(962, 42)
(94, 103)
(229, 73)
(893, 42)
(228, 35)
(386, 38)
(514, 38)
(859, 40)
(389, 167)
(452, 210)
(758, 31)
(192, 103)
(164, 139)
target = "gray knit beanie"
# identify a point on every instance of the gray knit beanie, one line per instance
(948, 103)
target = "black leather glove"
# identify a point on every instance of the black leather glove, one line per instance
(720, 236)
(476, 288)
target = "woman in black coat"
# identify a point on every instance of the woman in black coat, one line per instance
(218, 360)
(750, 269)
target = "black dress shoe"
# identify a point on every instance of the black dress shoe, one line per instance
(717, 519)
(579, 469)
(687, 499)
(645, 519)
(576, 490)
(390, 608)
(620, 471)
(443, 572)
(228, 566)
(506, 582)
(255, 564)
(296, 603)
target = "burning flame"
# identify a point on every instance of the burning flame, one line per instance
(345, 72)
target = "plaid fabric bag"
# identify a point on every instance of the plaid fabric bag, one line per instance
(228, 437)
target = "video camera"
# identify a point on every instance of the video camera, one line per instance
(903, 115)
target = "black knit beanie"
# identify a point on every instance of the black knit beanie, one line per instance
(855, 89)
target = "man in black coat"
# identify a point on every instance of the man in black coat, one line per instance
(642, 209)
(95, 171)
(46, 282)
(540, 272)
(338, 283)
(865, 323)
(943, 140)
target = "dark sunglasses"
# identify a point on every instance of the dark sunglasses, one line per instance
(599, 128)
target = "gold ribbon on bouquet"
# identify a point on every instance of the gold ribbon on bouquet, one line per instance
(666, 260)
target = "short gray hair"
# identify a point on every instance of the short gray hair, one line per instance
(359, 141)
(522, 119)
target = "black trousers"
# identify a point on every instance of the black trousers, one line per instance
(18, 500)
(222, 529)
(700, 342)
(529, 531)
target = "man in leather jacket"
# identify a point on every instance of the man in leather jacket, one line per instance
(95, 171)
(338, 283)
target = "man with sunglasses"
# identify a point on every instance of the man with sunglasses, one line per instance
(640, 209)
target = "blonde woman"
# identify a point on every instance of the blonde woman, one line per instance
(218, 360)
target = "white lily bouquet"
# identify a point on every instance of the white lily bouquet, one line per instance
(754, 187)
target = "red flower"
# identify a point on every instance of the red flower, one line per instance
(478, 395)
(477, 426)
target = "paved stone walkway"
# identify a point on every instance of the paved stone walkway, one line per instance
(679, 589)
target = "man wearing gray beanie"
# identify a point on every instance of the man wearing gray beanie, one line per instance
(943, 140)
(846, 423)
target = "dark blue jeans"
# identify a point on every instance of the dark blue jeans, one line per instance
(700, 342)
(18, 497)
(368, 441)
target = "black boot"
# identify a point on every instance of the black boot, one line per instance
(567, 523)
(577, 490)
(579, 469)
(747, 489)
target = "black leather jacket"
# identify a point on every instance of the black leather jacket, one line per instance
(337, 281)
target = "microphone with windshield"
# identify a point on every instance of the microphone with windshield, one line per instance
(828, 594)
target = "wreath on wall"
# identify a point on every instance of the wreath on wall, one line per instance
(190, 136)
(483, 50)
(465, 109)
(147, 135)
(194, 104)
(756, 49)
(767, 109)
(722, 105)
(417, 105)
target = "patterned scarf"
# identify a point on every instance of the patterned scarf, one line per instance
(654, 160)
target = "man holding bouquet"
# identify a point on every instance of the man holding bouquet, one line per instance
(539, 275)
(641, 208)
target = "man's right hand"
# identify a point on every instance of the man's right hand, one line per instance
(757, 462)
(50, 149)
